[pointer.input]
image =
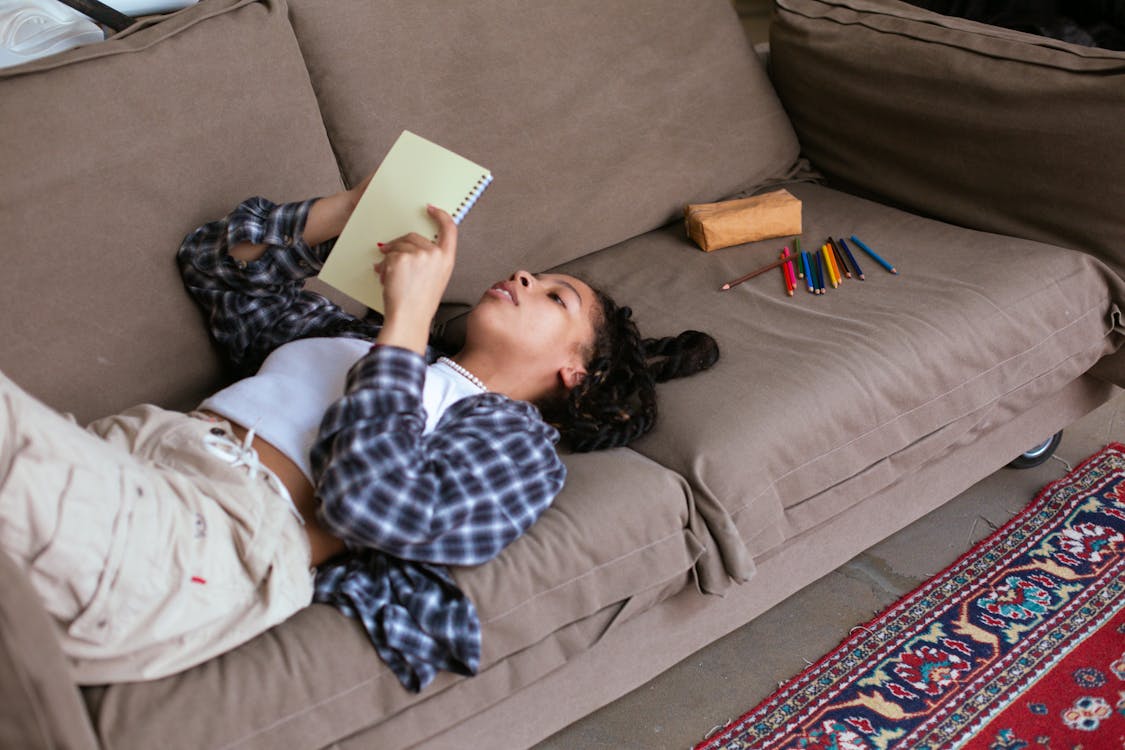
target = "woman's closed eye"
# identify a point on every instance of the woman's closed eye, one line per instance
(557, 298)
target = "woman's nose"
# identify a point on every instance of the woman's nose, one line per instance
(523, 277)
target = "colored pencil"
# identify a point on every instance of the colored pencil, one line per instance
(874, 255)
(752, 274)
(787, 273)
(858, 270)
(841, 263)
(820, 285)
(833, 276)
(808, 272)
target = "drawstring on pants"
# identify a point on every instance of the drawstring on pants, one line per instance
(237, 454)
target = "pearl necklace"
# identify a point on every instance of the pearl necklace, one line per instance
(463, 372)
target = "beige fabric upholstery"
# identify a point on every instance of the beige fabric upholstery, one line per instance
(111, 154)
(599, 121)
(856, 384)
(40, 706)
(986, 127)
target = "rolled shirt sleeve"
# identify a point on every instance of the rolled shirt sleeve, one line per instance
(253, 307)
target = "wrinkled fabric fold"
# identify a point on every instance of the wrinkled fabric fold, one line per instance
(417, 618)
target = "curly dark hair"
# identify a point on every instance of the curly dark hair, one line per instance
(616, 401)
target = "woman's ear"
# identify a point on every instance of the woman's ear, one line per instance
(570, 376)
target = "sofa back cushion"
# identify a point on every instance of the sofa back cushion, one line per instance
(111, 153)
(978, 125)
(598, 120)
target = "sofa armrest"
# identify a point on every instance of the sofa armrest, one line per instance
(40, 705)
(980, 126)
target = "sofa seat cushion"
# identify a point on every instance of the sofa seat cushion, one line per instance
(187, 125)
(598, 120)
(811, 391)
(613, 544)
(989, 128)
(620, 527)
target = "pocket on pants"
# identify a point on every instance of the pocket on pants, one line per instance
(179, 571)
(61, 520)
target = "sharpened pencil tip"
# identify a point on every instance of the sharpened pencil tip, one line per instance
(724, 287)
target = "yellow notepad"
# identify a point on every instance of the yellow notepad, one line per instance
(414, 172)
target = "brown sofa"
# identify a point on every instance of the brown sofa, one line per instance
(986, 164)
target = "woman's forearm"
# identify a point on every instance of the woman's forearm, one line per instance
(328, 216)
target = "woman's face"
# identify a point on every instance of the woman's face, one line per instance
(539, 327)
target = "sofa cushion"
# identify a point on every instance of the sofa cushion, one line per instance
(987, 127)
(598, 120)
(814, 390)
(613, 544)
(619, 527)
(121, 148)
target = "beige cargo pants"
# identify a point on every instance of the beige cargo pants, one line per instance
(152, 537)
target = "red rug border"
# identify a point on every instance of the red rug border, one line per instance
(730, 729)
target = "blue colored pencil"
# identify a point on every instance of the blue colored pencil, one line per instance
(808, 271)
(851, 258)
(821, 289)
(873, 254)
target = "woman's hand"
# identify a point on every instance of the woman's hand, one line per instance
(415, 272)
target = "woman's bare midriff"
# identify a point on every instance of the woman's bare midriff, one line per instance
(323, 545)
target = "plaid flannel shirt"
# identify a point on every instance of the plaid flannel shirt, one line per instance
(406, 504)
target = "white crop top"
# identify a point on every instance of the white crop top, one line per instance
(286, 400)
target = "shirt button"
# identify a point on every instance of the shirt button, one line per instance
(217, 431)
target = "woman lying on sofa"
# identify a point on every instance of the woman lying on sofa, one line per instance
(337, 470)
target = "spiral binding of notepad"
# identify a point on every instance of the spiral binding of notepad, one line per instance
(471, 198)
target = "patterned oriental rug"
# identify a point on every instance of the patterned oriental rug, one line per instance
(1019, 644)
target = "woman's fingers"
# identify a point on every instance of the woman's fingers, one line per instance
(447, 228)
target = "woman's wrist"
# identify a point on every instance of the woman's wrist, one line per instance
(412, 334)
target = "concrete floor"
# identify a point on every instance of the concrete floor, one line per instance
(721, 682)
(726, 679)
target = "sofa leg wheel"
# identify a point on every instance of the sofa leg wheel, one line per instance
(1038, 454)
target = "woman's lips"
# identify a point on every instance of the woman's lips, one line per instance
(505, 290)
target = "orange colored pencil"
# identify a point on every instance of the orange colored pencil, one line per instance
(829, 268)
(835, 266)
(841, 261)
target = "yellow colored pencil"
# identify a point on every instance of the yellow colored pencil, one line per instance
(828, 267)
(835, 266)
